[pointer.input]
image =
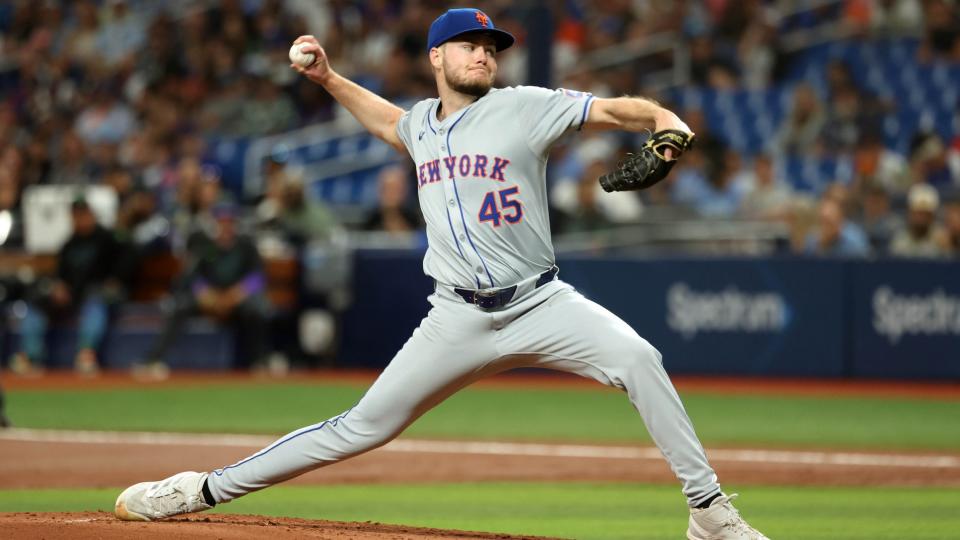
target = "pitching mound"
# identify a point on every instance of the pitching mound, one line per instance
(102, 525)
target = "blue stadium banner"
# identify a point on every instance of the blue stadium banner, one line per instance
(750, 316)
(781, 317)
(906, 319)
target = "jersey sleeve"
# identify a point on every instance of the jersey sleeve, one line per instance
(548, 114)
(403, 130)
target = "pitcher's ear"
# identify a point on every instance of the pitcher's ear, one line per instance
(436, 56)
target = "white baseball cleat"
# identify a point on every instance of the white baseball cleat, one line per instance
(720, 521)
(150, 501)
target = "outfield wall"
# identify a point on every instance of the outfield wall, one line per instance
(790, 317)
(751, 316)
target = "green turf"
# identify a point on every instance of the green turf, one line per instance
(583, 511)
(495, 413)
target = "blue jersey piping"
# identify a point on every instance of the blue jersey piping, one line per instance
(457, 193)
(583, 118)
(333, 422)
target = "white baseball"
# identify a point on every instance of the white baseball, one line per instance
(301, 58)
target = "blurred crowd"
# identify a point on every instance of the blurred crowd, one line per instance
(130, 94)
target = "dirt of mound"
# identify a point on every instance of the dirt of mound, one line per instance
(101, 525)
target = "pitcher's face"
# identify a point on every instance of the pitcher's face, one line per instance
(469, 64)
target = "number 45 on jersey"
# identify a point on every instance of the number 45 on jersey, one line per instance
(501, 204)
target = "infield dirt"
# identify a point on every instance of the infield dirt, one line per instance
(101, 525)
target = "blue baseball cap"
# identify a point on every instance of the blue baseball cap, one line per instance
(459, 21)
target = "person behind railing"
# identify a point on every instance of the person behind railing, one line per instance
(951, 224)
(587, 215)
(875, 164)
(299, 218)
(84, 286)
(878, 219)
(11, 217)
(768, 196)
(834, 234)
(718, 192)
(800, 130)
(224, 281)
(933, 162)
(941, 37)
(922, 237)
(304, 329)
(198, 190)
(393, 214)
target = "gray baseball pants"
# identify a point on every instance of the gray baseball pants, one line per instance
(457, 343)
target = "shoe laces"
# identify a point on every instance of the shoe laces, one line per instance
(167, 493)
(733, 520)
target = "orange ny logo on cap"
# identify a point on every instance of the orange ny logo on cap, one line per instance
(482, 18)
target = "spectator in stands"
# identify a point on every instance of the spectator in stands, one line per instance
(951, 222)
(801, 129)
(901, 16)
(11, 219)
(921, 237)
(303, 219)
(299, 218)
(321, 280)
(768, 196)
(36, 159)
(842, 195)
(394, 213)
(84, 286)
(591, 156)
(198, 191)
(225, 282)
(843, 126)
(73, 165)
(942, 39)
(878, 219)
(269, 110)
(933, 163)
(758, 50)
(80, 41)
(834, 235)
(587, 215)
(712, 66)
(107, 119)
(141, 231)
(717, 194)
(852, 110)
(121, 35)
(880, 166)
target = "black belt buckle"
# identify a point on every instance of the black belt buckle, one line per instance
(501, 297)
(487, 299)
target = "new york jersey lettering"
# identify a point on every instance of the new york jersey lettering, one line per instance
(462, 166)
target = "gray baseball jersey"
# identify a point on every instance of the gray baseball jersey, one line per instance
(481, 180)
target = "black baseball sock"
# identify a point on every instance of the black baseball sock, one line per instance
(704, 504)
(207, 496)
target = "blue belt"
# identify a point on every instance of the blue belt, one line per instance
(496, 298)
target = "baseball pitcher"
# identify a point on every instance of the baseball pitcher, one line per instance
(481, 155)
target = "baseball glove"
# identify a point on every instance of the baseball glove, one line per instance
(650, 165)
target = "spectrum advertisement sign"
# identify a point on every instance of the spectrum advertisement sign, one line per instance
(722, 316)
(906, 319)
